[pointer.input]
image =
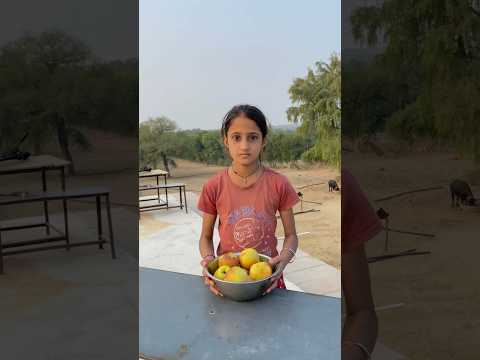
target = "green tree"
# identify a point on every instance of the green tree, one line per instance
(157, 142)
(432, 54)
(316, 104)
(38, 88)
(52, 87)
(160, 135)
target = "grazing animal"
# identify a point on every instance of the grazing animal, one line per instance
(332, 185)
(461, 192)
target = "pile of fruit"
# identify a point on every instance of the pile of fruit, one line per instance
(244, 267)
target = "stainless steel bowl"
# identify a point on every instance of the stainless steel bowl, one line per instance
(240, 291)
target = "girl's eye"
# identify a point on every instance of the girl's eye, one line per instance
(236, 137)
(253, 137)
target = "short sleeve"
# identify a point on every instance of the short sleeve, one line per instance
(288, 195)
(207, 200)
(360, 222)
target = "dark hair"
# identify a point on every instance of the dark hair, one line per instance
(249, 111)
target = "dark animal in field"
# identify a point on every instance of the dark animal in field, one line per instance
(332, 186)
(461, 193)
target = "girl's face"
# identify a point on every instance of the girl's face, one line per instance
(244, 141)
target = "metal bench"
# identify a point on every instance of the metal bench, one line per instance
(163, 204)
(23, 198)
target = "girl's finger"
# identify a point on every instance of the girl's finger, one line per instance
(275, 279)
(215, 291)
(274, 260)
(208, 281)
(273, 286)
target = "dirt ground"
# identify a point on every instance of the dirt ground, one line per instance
(440, 317)
(319, 231)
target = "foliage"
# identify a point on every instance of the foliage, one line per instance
(52, 87)
(316, 104)
(432, 56)
(161, 135)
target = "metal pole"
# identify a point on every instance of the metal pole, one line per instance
(1, 254)
(65, 219)
(166, 192)
(185, 192)
(158, 190)
(181, 201)
(45, 203)
(65, 210)
(386, 235)
(99, 221)
(110, 227)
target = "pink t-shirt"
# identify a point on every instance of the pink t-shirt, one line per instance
(359, 220)
(247, 216)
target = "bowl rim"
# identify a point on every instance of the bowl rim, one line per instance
(242, 282)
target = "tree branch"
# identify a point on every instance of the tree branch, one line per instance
(475, 12)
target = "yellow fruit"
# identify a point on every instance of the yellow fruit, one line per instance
(221, 272)
(229, 259)
(260, 270)
(237, 274)
(248, 257)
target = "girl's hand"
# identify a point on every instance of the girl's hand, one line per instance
(281, 261)
(207, 281)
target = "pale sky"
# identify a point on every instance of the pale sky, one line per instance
(108, 27)
(199, 58)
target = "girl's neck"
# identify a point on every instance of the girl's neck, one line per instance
(245, 170)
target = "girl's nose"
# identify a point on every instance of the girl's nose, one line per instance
(244, 144)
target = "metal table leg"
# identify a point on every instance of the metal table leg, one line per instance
(185, 193)
(158, 190)
(110, 227)
(65, 220)
(45, 203)
(181, 201)
(166, 190)
(386, 235)
(65, 210)
(1, 254)
(99, 221)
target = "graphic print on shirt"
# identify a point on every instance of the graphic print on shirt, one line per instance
(250, 228)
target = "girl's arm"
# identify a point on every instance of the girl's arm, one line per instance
(291, 239)
(361, 321)
(206, 237)
(290, 245)
(206, 249)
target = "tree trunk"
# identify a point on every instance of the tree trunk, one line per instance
(37, 148)
(63, 141)
(165, 162)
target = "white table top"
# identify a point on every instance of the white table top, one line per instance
(155, 172)
(32, 163)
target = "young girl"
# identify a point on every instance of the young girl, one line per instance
(360, 223)
(246, 197)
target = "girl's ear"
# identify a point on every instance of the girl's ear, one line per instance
(264, 142)
(225, 141)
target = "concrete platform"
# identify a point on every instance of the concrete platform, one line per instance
(174, 247)
(77, 304)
